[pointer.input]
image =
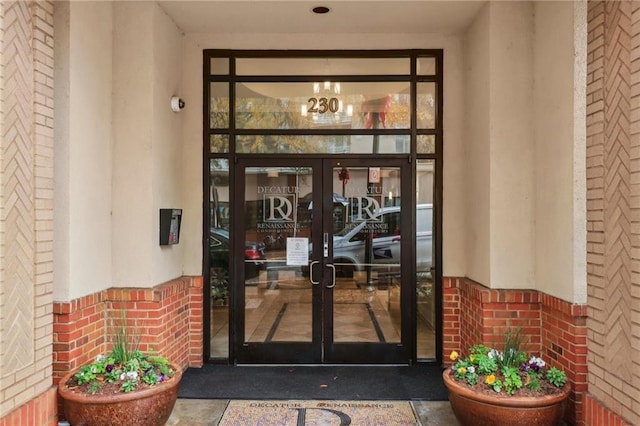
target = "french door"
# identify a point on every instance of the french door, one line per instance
(328, 286)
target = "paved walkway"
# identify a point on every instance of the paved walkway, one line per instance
(208, 412)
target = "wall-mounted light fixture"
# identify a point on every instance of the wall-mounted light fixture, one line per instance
(177, 104)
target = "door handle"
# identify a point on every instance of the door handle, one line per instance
(311, 273)
(333, 282)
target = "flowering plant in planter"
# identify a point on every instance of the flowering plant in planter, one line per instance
(511, 371)
(125, 369)
(115, 388)
(116, 372)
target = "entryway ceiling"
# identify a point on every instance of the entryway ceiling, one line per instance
(346, 16)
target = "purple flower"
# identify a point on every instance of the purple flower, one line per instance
(534, 364)
(162, 377)
(109, 368)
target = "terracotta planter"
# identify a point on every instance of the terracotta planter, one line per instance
(148, 407)
(478, 409)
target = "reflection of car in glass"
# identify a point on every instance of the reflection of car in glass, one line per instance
(349, 244)
(219, 258)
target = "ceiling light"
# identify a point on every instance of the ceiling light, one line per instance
(321, 10)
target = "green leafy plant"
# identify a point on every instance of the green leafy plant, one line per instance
(509, 370)
(556, 377)
(125, 368)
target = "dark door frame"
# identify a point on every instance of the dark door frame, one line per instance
(322, 349)
(230, 156)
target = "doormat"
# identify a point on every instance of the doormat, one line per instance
(316, 413)
(307, 382)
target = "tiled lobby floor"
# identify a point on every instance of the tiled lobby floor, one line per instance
(198, 412)
(281, 311)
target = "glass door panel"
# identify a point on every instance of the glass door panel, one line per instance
(321, 277)
(366, 303)
(366, 255)
(277, 303)
(277, 295)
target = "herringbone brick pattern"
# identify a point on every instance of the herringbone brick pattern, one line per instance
(26, 210)
(617, 187)
(18, 182)
(613, 206)
(634, 291)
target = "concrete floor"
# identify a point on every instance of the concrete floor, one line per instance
(208, 412)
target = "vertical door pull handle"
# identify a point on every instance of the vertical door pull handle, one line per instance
(311, 273)
(333, 282)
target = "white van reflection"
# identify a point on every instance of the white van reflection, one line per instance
(349, 244)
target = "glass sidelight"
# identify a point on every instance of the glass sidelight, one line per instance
(219, 260)
(425, 261)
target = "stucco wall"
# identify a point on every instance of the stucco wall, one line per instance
(524, 147)
(560, 103)
(166, 171)
(147, 143)
(477, 149)
(488, 210)
(499, 146)
(83, 151)
(454, 211)
(494, 196)
(511, 147)
(133, 75)
(118, 145)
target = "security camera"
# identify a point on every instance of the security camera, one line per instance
(176, 104)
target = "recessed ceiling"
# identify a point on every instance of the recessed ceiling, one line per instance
(345, 16)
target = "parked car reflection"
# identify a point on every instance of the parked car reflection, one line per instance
(349, 244)
(254, 255)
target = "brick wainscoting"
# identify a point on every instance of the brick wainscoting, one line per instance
(40, 411)
(168, 318)
(597, 414)
(554, 328)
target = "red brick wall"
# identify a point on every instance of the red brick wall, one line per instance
(486, 314)
(78, 333)
(596, 414)
(553, 328)
(196, 320)
(40, 411)
(168, 318)
(451, 327)
(564, 339)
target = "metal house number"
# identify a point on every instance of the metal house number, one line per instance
(323, 105)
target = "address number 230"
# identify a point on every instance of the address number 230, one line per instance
(323, 105)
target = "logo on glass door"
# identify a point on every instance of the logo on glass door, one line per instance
(278, 203)
(365, 208)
